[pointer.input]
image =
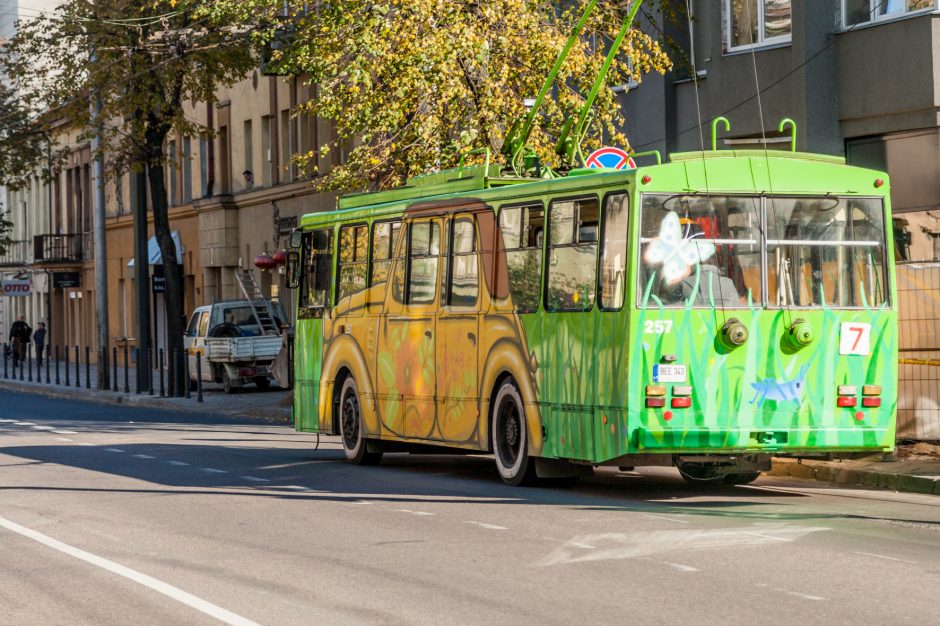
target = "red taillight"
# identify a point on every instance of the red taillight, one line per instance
(655, 403)
(681, 403)
(846, 401)
(870, 402)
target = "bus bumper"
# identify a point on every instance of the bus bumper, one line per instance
(788, 440)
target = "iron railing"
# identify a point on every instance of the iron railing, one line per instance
(15, 254)
(57, 248)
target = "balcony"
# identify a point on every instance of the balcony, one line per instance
(16, 254)
(57, 249)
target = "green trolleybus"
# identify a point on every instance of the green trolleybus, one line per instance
(706, 313)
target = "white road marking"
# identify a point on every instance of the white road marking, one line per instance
(178, 463)
(175, 593)
(681, 567)
(212, 470)
(143, 456)
(296, 487)
(24, 423)
(485, 525)
(613, 546)
(255, 479)
(42, 427)
(6, 421)
(413, 512)
(113, 450)
(668, 519)
(63, 439)
(65, 432)
(882, 556)
(797, 594)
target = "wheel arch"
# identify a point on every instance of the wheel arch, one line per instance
(344, 358)
(505, 361)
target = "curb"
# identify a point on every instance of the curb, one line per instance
(271, 415)
(851, 474)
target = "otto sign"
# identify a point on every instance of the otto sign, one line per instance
(16, 288)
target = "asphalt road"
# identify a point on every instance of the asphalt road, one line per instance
(110, 515)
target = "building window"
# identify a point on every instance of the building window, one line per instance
(248, 174)
(187, 169)
(855, 12)
(267, 159)
(203, 166)
(750, 23)
(171, 165)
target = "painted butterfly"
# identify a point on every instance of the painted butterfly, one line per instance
(676, 253)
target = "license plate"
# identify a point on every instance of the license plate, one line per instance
(669, 373)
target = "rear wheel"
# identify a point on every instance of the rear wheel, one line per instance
(350, 426)
(741, 479)
(510, 438)
(227, 385)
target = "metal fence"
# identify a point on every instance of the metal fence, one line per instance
(919, 344)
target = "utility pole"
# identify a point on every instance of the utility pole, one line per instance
(101, 257)
(142, 278)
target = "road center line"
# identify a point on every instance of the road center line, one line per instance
(178, 463)
(113, 450)
(212, 470)
(65, 432)
(255, 479)
(143, 456)
(175, 593)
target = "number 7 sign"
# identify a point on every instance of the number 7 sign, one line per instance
(855, 338)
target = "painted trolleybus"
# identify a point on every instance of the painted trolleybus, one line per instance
(706, 312)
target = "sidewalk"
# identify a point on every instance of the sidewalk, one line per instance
(272, 405)
(916, 470)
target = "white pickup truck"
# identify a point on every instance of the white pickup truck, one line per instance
(237, 344)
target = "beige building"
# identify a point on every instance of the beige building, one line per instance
(233, 193)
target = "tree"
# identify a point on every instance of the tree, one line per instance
(140, 60)
(413, 87)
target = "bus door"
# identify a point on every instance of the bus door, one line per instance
(406, 344)
(568, 326)
(458, 331)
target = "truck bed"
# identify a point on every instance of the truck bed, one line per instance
(240, 349)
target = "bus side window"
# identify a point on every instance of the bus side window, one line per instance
(424, 246)
(572, 255)
(522, 228)
(614, 254)
(353, 245)
(464, 275)
(384, 241)
(315, 277)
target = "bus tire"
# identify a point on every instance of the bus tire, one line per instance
(510, 437)
(350, 426)
(741, 479)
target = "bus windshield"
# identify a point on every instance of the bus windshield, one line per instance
(730, 251)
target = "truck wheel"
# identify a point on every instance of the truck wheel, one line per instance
(350, 426)
(262, 382)
(227, 385)
(510, 437)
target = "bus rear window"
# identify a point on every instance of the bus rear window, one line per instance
(700, 251)
(826, 252)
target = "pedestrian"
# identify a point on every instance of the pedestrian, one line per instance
(20, 334)
(39, 338)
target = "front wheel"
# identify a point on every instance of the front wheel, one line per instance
(350, 426)
(510, 438)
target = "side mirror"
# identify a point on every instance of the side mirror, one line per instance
(296, 237)
(293, 268)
